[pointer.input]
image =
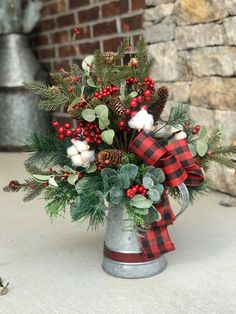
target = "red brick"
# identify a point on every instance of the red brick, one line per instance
(61, 64)
(66, 20)
(58, 7)
(67, 51)
(134, 22)
(88, 48)
(47, 53)
(59, 37)
(138, 4)
(77, 3)
(45, 25)
(40, 40)
(115, 8)
(104, 28)
(88, 15)
(112, 44)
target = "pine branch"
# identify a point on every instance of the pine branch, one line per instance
(48, 151)
(223, 161)
(144, 64)
(178, 115)
(122, 50)
(49, 105)
(227, 149)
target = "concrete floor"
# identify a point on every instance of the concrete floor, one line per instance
(56, 267)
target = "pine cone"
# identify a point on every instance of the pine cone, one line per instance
(14, 186)
(118, 108)
(110, 157)
(157, 108)
(109, 57)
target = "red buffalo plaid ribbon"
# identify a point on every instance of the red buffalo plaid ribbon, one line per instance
(179, 166)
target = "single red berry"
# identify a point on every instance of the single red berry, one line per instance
(88, 139)
(147, 93)
(133, 113)
(144, 107)
(45, 184)
(69, 133)
(127, 111)
(55, 124)
(139, 98)
(67, 125)
(147, 98)
(121, 123)
(99, 167)
(78, 130)
(194, 131)
(70, 89)
(133, 104)
(99, 142)
(197, 127)
(61, 130)
(61, 137)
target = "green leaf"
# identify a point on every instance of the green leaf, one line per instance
(156, 174)
(133, 94)
(152, 216)
(138, 203)
(202, 133)
(130, 170)
(79, 185)
(107, 136)
(92, 168)
(42, 177)
(88, 115)
(160, 188)
(154, 195)
(91, 83)
(125, 180)
(68, 169)
(202, 147)
(52, 182)
(72, 178)
(116, 195)
(103, 123)
(192, 149)
(148, 182)
(74, 102)
(141, 211)
(87, 63)
(101, 111)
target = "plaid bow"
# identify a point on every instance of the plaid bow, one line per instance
(179, 166)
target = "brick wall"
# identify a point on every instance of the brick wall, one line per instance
(102, 24)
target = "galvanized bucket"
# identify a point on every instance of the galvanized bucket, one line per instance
(19, 115)
(121, 239)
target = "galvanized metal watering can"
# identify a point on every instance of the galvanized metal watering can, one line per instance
(122, 240)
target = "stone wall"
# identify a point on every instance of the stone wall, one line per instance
(194, 44)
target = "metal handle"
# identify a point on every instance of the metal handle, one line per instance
(185, 197)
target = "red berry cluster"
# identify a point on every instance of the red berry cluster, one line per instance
(107, 91)
(150, 82)
(63, 131)
(91, 133)
(131, 81)
(136, 189)
(76, 31)
(196, 129)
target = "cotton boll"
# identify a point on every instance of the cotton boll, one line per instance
(88, 156)
(80, 146)
(142, 120)
(71, 151)
(77, 160)
(180, 135)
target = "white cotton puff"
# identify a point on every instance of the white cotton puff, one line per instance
(71, 151)
(88, 156)
(80, 145)
(142, 120)
(180, 136)
(77, 160)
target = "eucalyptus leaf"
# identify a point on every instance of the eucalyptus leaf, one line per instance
(101, 111)
(92, 168)
(202, 133)
(88, 115)
(107, 136)
(141, 211)
(157, 173)
(125, 180)
(146, 203)
(133, 94)
(116, 195)
(160, 188)
(72, 178)
(130, 170)
(202, 147)
(192, 149)
(103, 123)
(42, 177)
(68, 169)
(91, 83)
(86, 64)
(154, 195)
(148, 182)
(79, 185)
(152, 216)
(52, 182)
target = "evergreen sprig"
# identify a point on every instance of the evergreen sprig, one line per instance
(178, 115)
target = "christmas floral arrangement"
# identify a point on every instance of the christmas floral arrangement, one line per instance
(117, 149)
